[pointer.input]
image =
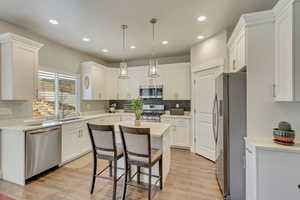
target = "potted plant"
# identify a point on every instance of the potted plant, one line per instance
(137, 105)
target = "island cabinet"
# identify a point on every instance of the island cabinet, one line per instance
(180, 131)
(75, 141)
(272, 171)
(287, 50)
(19, 62)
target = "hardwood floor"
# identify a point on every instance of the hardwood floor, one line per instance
(191, 178)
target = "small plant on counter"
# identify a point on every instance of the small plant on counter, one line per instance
(137, 105)
(284, 134)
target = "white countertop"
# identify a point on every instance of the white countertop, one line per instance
(46, 124)
(265, 144)
(156, 129)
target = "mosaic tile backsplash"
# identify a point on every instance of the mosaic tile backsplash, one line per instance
(186, 104)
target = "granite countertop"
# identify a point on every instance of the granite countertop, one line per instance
(47, 124)
(265, 144)
(185, 116)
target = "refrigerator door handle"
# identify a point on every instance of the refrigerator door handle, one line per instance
(215, 119)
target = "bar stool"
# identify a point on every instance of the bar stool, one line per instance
(104, 146)
(137, 151)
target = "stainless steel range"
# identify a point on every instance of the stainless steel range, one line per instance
(152, 112)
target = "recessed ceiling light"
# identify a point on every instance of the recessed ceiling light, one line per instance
(202, 18)
(200, 37)
(105, 50)
(86, 39)
(132, 47)
(53, 21)
(165, 42)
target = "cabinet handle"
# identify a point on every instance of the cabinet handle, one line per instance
(233, 64)
(248, 150)
(274, 90)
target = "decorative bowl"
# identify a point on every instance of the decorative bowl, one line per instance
(284, 137)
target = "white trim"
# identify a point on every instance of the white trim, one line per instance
(220, 62)
(10, 37)
(251, 19)
(57, 71)
(282, 5)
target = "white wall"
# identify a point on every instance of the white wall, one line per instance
(210, 49)
(52, 56)
(263, 114)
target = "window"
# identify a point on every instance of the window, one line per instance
(58, 93)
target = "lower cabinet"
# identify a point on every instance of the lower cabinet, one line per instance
(272, 171)
(180, 131)
(75, 141)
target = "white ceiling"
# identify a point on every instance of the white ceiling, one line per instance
(100, 20)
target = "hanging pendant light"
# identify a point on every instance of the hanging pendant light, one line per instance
(123, 64)
(152, 70)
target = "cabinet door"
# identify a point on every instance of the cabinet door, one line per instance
(84, 138)
(71, 146)
(176, 81)
(250, 174)
(284, 56)
(123, 89)
(182, 135)
(24, 60)
(112, 87)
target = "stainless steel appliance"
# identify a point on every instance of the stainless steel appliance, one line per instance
(152, 112)
(151, 92)
(43, 150)
(229, 127)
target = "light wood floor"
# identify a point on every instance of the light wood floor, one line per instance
(191, 178)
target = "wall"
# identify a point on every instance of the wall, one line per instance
(162, 60)
(262, 112)
(210, 49)
(52, 56)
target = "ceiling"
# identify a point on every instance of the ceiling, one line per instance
(100, 20)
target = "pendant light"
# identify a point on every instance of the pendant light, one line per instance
(123, 64)
(152, 70)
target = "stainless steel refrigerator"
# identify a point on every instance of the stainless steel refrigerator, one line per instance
(229, 127)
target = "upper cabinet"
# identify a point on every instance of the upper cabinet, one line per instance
(176, 81)
(237, 49)
(19, 62)
(102, 83)
(93, 79)
(287, 50)
(239, 44)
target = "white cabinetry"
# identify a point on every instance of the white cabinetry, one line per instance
(19, 62)
(111, 78)
(237, 47)
(75, 141)
(176, 81)
(180, 131)
(272, 171)
(287, 49)
(93, 81)
(237, 51)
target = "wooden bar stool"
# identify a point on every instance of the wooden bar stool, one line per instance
(137, 151)
(104, 146)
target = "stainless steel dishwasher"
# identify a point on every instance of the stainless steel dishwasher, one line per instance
(43, 150)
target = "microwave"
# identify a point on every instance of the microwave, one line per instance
(151, 92)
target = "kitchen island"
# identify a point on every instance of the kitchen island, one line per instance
(74, 136)
(160, 139)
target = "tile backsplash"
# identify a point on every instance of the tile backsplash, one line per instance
(186, 104)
